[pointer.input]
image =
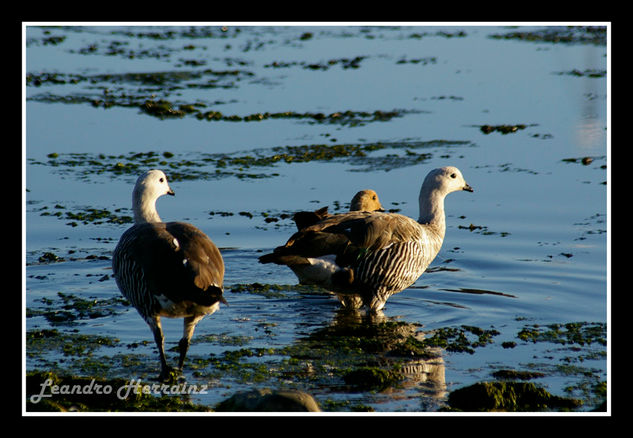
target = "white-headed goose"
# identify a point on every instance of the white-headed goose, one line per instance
(167, 269)
(365, 257)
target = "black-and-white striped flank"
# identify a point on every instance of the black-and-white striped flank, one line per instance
(366, 256)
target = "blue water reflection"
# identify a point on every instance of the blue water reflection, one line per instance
(538, 215)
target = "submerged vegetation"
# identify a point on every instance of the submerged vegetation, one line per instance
(508, 397)
(251, 164)
(69, 309)
(351, 355)
(503, 129)
(86, 215)
(559, 34)
(570, 333)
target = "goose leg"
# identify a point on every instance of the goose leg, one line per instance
(189, 326)
(157, 330)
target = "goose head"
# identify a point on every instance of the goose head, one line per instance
(437, 184)
(366, 200)
(445, 180)
(149, 186)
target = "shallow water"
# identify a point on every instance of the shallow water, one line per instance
(536, 250)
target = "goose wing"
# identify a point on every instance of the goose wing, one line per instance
(349, 236)
(176, 260)
(304, 219)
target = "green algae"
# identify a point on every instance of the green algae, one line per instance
(165, 82)
(422, 61)
(463, 339)
(362, 355)
(587, 73)
(596, 35)
(364, 337)
(508, 397)
(161, 109)
(577, 343)
(274, 290)
(346, 118)
(68, 344)
(167, 79)
(86, 215)
(49, 257)
(350, 355)
(503, 129)
(330, 405)
(505, 374)
(244, 364)
(372, 378)
(109, 93)
(483, 230)
(250, 164)
(439, 33)
(68, 309)
(223, 339)
(581, 333)
(592, 391)
(90, 215)
(345, 63)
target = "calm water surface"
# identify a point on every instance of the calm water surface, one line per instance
(532, 238)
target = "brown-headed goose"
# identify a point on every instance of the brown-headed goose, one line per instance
(365, 257)
(365, 200)
(167, 269)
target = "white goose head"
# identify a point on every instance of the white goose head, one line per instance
(150, 186)
(446, 180)
(437, 184)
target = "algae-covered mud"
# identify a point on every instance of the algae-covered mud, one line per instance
(252, 123)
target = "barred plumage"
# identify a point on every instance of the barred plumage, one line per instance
(166, 269)
(129, 277)
(365, 257)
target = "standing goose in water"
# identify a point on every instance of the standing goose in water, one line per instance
(167, 269)
(365, 257)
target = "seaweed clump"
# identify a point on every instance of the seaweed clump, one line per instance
(580, 333)
(559, 34)
(508, 397)
(503, 129)
(372, 378)
(458, 339)
(161, 109)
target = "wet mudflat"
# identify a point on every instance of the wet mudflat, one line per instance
(253, 123)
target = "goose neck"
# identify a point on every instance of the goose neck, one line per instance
(144, 209)
(432, 209)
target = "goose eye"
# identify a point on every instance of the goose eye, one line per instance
(162, 180)
(453, 175)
